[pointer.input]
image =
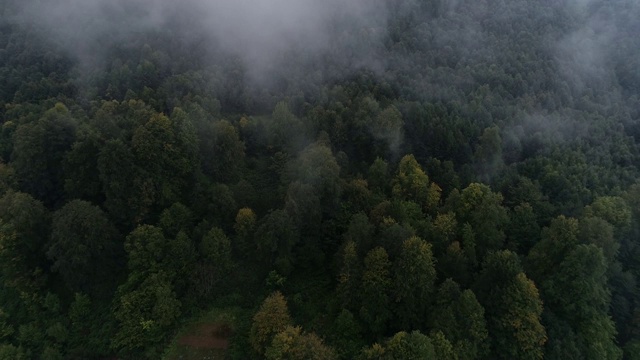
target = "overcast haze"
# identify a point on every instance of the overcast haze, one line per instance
(259, 32)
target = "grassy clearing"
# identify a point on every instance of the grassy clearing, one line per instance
(206, 337)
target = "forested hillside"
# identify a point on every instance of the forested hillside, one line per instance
(364, 179)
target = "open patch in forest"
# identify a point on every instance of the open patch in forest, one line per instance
(207, 337)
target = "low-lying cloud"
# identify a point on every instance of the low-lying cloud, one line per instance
(260, 32)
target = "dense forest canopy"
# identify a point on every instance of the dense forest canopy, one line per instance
(363, 179)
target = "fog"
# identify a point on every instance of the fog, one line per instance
(447, 55)
(264, 34)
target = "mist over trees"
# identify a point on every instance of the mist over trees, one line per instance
(366, 179)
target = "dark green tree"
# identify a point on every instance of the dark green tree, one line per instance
(275, 238)
(84, 245)
(24, 229)
(460, 318)
(482, 209)
(146, 309)
(414, 275)
(376, 310)
(38, 153)
(512, 307)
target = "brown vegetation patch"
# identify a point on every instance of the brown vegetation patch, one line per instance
(207, 336)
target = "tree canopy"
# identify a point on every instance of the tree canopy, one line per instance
(370, 179)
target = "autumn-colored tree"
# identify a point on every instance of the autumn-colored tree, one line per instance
(293, 344)
(412, 183)
(244, 227)
(271, 319)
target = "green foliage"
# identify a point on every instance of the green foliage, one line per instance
(38, 153)
(594, 230)
(411, 182)
(146, 310)
(378, 175)
(613, 209)
(361, 232)
(460, 318)
(376, 287)
(321, 173)
(83, 246)
(149, 252)
(124, 199)
(222, 152)
(147, 249)
(10, 352)
(410, 346)
(24, 225)
(577, 294)
(275, 238)
(403, 345)
(632, 350)
(317, 167)
(512, 307)
(165, 162)
(176, 218)
(414, 275)
(284, 128)
(215, 247)
(387, 126)
(80, 165)
(346, 335)
(482, 210)
(349, 276)
(557, 240)
(303, 206)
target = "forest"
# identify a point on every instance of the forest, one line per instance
(362, 179)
